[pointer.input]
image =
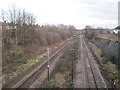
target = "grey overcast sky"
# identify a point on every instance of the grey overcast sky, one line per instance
(97, 13)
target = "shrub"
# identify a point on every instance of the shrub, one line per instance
(48, 84)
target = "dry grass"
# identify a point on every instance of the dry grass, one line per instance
(60, 80)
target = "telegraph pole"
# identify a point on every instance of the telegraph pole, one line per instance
(48, 63)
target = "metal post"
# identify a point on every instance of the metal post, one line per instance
(48, 53)
(72, 71)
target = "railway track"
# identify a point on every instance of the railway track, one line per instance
(93, 77)
(32, 77)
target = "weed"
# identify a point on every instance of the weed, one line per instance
(50, 84)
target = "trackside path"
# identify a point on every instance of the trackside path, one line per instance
(88, 74)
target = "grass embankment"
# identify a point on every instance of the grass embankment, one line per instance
(15, 69)
(20, 66)
(110, 69)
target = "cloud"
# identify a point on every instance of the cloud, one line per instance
(77, 12)
(103, 12)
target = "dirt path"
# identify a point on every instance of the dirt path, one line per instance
(80, 80)
(88, 74)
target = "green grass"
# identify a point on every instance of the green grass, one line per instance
(107, 34)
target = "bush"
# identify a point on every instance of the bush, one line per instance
(15, 56)
(48, 84)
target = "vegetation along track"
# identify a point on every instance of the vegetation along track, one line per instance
(27, 82)
(93, 76)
